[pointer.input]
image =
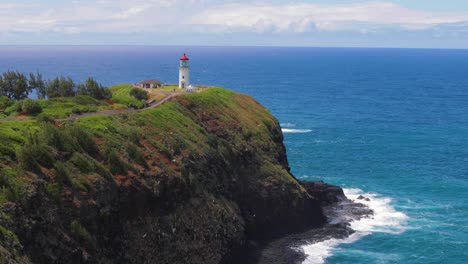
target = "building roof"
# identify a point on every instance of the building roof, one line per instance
(184, 57)
(154, 82)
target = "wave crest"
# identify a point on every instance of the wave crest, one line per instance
(290, 130)
(385, 220)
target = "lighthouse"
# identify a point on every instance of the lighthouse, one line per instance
(184, 80)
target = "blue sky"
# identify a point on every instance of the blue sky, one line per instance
(332, 23)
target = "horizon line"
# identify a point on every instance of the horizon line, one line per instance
(228, 46)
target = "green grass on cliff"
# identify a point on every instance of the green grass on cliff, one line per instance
(178, 127)
(62, 107)
(121, 95)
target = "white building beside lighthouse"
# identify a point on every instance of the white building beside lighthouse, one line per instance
(184, 77)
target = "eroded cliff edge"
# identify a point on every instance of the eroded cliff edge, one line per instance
(191, 181)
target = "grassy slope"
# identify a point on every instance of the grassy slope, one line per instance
(121, 95)
(64, 106)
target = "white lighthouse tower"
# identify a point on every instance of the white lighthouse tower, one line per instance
(184, 77)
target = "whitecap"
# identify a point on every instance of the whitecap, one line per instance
(288, 125)
(385, 220)
(290, 130)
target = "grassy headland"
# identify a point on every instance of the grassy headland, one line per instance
(185, 182)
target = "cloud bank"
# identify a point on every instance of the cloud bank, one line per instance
(302, 17)
(172, 17)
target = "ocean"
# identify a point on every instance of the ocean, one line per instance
(389, 124)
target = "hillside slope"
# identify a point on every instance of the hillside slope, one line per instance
(190, 181)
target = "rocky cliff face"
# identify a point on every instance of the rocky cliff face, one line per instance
(192, 181)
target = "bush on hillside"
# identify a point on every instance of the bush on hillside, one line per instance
(139, 94)
(44, 118)
(32, 156)
(31, 107)
(5, 102)
(117, 165)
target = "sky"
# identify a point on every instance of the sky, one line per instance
(310, 23)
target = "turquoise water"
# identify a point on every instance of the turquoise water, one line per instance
(391, 124)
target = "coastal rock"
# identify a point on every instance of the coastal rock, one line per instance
(327, 194)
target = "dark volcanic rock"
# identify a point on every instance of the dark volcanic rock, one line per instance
(327, 194)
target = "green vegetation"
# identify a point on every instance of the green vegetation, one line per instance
(61, 87)
(64, 106)
(65, 97)
(5, 102)
(94, 89)
(192, 149)
(16, 86)
(81, 232)
(139, 94)
(121, 94)
(30, 106)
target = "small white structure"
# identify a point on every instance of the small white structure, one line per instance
(191, 89)
(184, 77)
(150, 84)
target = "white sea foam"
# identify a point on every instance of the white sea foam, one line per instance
(290, 130)
(288, 125)
(385, 219)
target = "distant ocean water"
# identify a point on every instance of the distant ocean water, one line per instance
(391, 124)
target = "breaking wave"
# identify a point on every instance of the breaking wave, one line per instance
(385, 219)
(290, 130)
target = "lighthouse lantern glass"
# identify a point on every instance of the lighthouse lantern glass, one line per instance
(183, 63)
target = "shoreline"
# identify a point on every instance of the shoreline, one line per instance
(340, 212)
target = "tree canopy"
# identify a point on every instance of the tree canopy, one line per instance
(14, 85)
(17, 86)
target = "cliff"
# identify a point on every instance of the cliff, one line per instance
(191, 181)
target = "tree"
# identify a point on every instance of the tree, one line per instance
(61, 87)
(14, 85)
(37, 83)
(94, 89)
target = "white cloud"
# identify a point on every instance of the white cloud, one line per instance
(210, 16)
(301, 17)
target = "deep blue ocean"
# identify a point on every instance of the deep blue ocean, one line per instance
(391, 124)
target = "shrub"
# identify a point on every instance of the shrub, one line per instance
(76, 110)
(133, 134)
(62, 175)
(82, 163)
(139, 94)
(84, 139)
(15, 107)
(136, 155)
(5, 102)
(32, 155)
(27, 159)
(79, 231)
(102, 171)
(53, 189)
(117, 165)
(31, 106)
(54, 137)
(44, 118)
